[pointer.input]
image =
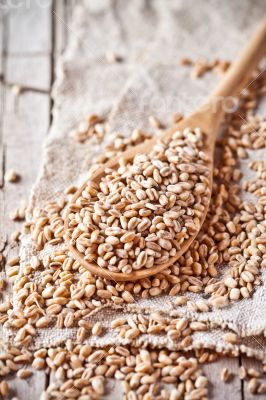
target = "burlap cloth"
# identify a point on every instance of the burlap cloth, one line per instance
(151, 36)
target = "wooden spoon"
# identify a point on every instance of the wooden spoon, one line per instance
(207, 117)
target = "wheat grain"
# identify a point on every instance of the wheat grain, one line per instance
(11, 176)
(4, 388)
(252, 372)
(231, 338)
(253, 385)
(24, 373)
(262, 388)
(97, 329)
(225, 375)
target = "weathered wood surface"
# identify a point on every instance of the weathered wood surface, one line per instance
(1, 44)
(255, 364)
(29, 28)
(219, 390)
(37, 77)
(33, 39)
(25, 61)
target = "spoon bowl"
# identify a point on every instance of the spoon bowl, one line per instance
(113, 163)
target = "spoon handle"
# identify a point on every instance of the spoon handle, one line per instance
(239, 72)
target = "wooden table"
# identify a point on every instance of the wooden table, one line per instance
(31, 39)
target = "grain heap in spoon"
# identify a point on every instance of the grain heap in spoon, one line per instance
(139, 215)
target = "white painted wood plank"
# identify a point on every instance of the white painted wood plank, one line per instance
(29, 27)
(2, 233)
(1, 43)
(1, 164)
(2, 208)
(25, 119)
(257, 365)
(29, 389)
(1, 137)
(29, 72)
(219, 390)
(25, 125)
